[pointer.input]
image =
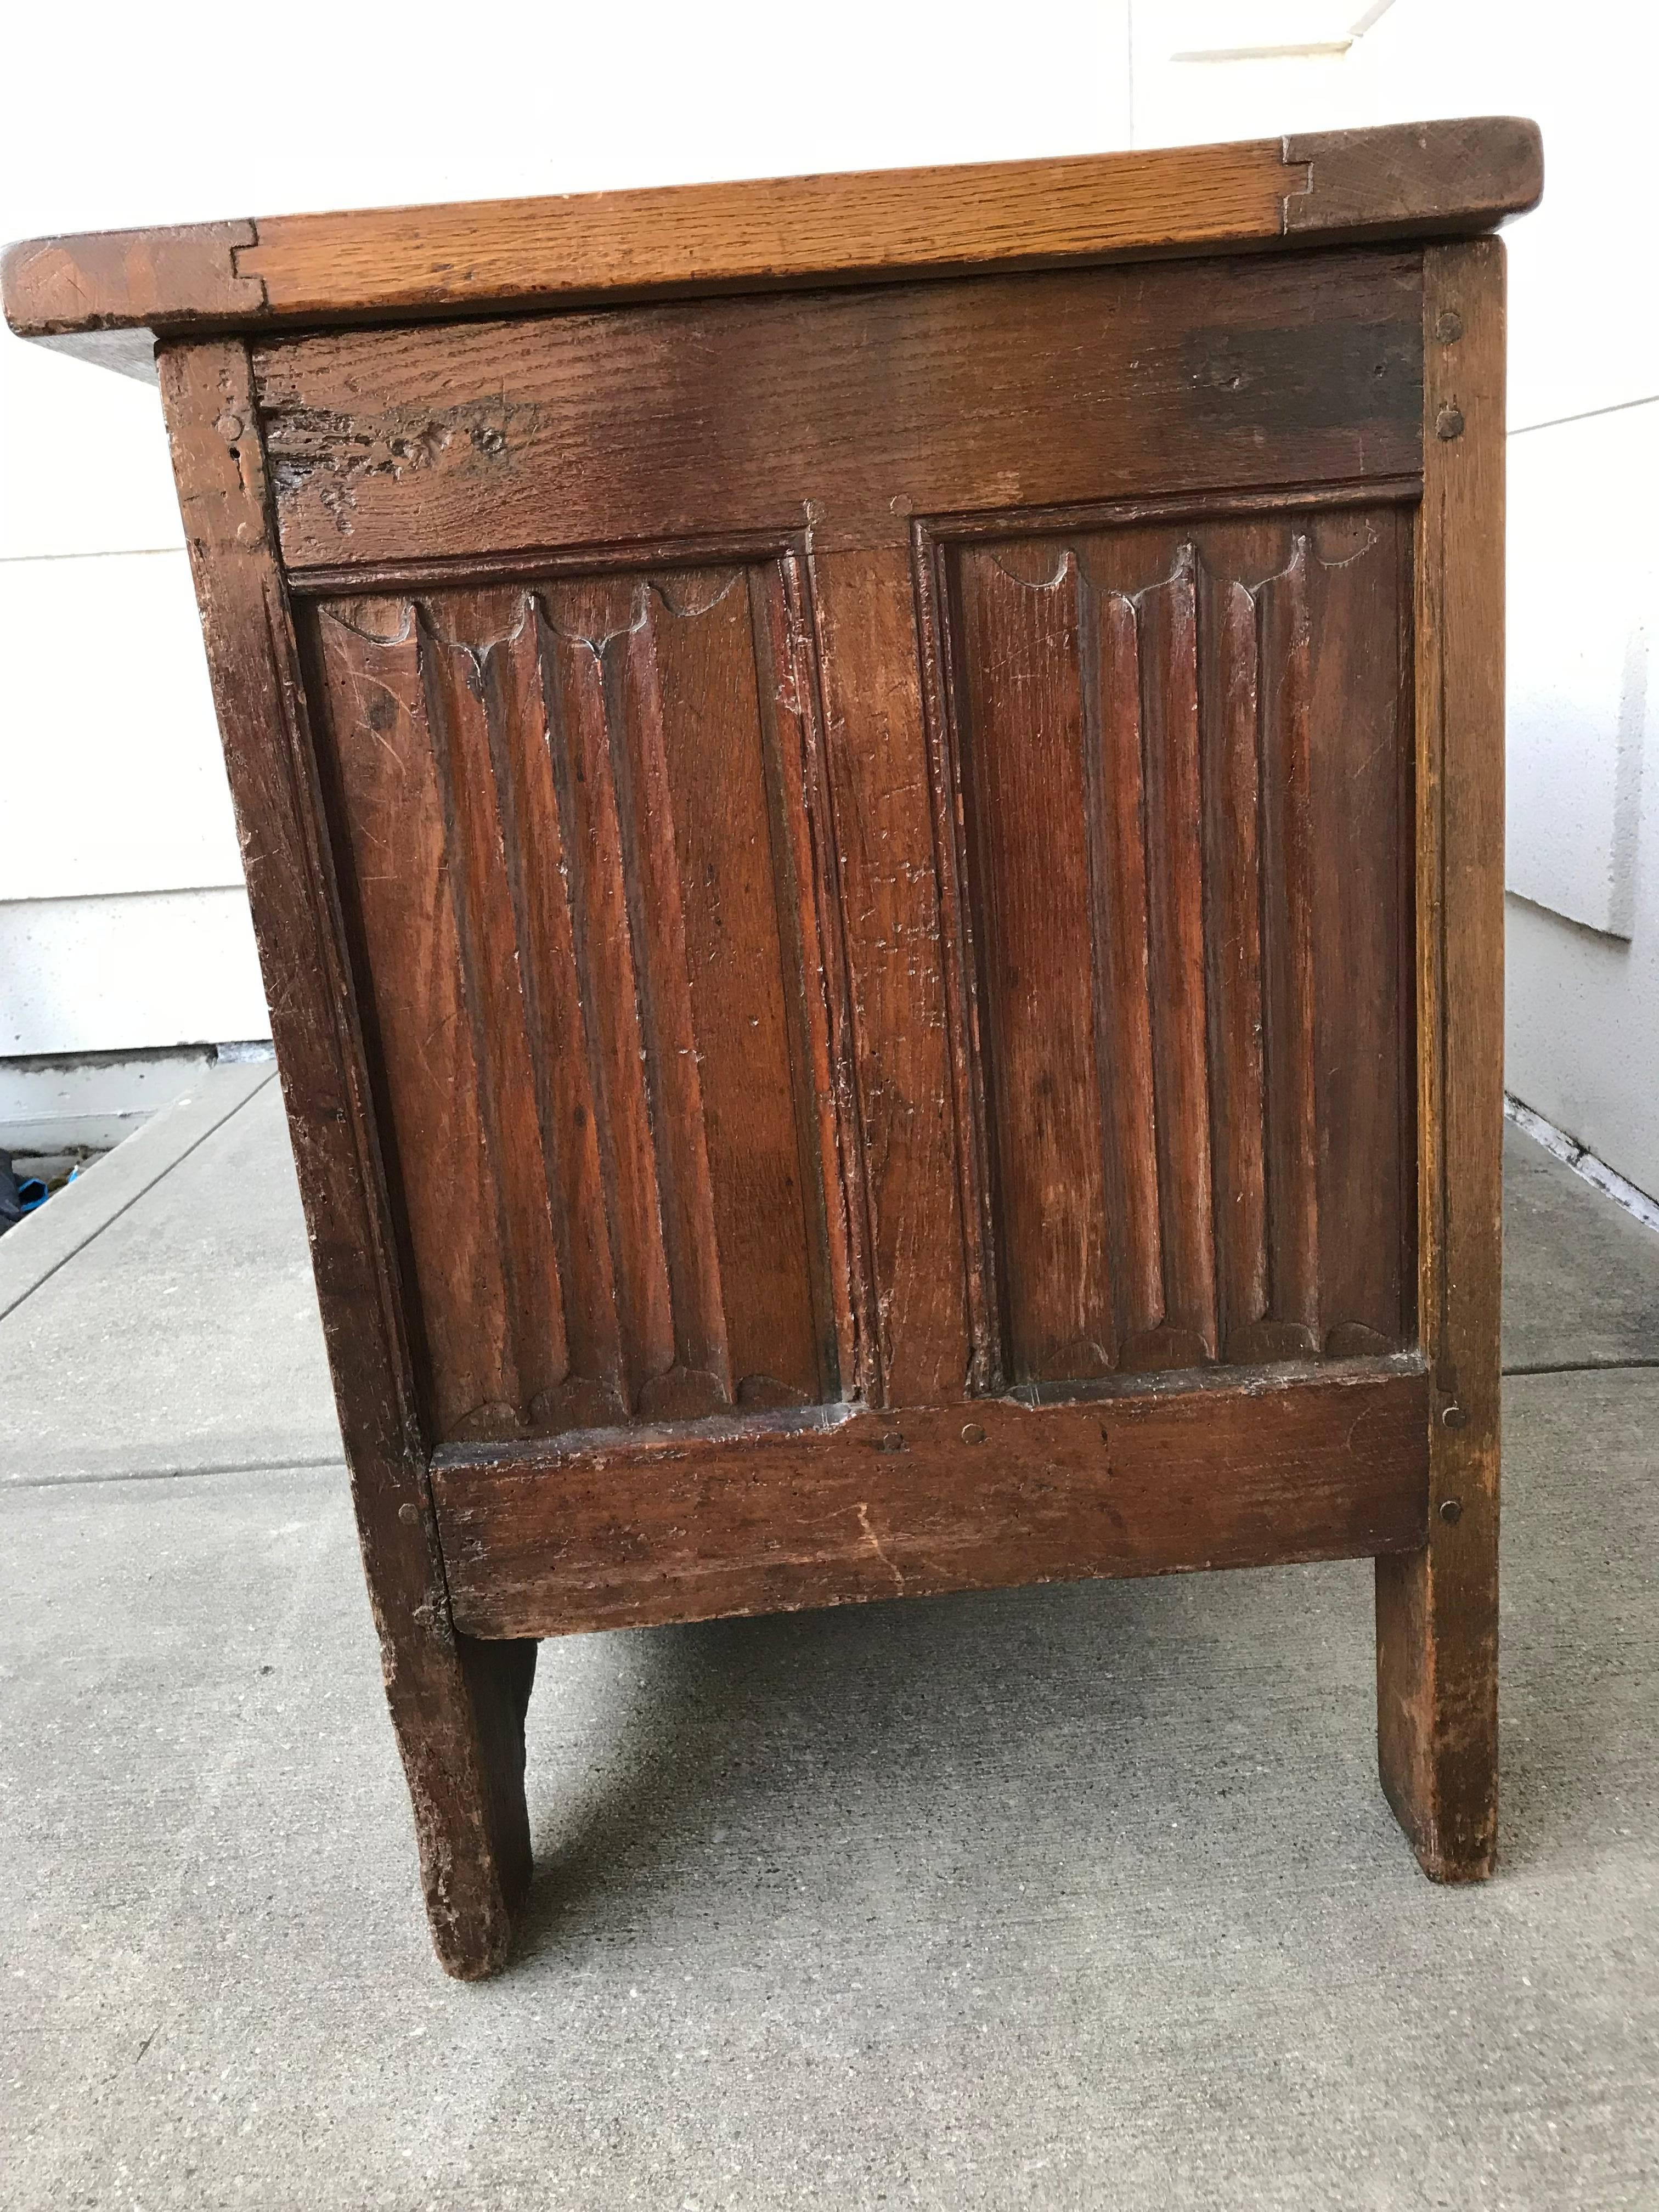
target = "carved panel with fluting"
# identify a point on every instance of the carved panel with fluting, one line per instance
(1179, 768)
(574, 831)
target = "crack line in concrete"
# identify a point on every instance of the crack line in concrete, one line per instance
(281, 1466)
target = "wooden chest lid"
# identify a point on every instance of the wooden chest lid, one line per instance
(109, 295)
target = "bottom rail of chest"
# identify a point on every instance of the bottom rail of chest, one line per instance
(978, 1495)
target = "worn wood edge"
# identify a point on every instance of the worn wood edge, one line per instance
(1415, 180)
(104, 296)
(458, 1710)
(506, 256)
(1436, 1609)
(980, 1495)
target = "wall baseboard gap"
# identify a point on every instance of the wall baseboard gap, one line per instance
(1582, 1160)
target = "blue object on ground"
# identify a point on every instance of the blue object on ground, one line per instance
(21, 1194)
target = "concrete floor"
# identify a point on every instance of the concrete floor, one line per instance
(1070, 1897)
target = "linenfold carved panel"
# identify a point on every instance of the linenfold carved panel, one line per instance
(1177, 761)
(574, 824)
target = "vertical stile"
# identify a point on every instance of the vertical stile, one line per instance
(1437, 1607)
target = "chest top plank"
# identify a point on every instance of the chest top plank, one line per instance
(109, 295)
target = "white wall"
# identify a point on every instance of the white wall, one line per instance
(120, 919)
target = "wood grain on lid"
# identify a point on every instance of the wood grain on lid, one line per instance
(1442, 179)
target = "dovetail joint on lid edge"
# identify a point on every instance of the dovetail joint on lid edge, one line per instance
(1294, 190)
(120, 279)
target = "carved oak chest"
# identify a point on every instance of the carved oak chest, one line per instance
(873, 810)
